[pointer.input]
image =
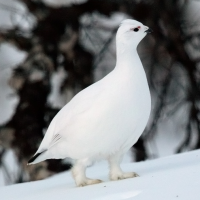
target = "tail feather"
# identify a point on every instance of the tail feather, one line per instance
(35, 159)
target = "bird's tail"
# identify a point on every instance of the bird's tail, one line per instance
(38, 157)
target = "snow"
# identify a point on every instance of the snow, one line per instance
(12, 167)
(173, 177)
(8, 100)
(59, 3)
(15, 13)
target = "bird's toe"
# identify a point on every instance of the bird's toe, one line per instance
(116, 177)
(88, 182)
(130, 175)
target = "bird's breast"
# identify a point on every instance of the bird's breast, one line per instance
(114, 120)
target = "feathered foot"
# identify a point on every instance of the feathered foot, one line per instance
(114, 176)
(78, 172)
(87, 181)
(115, 171)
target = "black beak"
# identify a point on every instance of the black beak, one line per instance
(149, 30)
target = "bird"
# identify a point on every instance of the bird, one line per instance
(104, 120)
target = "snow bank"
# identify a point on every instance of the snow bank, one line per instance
(173, 177)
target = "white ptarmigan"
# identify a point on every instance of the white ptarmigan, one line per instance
(104, 120)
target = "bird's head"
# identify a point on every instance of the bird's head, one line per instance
(131, 32)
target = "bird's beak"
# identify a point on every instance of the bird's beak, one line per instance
(149, 30)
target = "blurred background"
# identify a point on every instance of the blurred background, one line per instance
(52, 49)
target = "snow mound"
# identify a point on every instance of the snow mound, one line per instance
(173, 177)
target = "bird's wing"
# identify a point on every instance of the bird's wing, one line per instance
(79, 104)
(56, 138)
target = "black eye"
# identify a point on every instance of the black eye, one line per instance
(136, 29)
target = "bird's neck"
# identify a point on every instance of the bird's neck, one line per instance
(128, 59)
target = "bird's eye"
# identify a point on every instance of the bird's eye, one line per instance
(136, 29)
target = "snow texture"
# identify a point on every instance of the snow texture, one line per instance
(8, 100)
(173, 177)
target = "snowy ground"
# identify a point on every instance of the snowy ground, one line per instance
(173, 177)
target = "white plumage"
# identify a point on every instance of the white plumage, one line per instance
(104, 120)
